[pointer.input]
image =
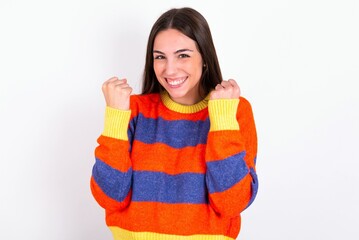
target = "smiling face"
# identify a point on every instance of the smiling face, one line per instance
(178, 66)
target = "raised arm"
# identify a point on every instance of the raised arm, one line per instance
(230, 155)
(112, 171)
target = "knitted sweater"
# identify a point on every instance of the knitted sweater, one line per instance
(170, 171)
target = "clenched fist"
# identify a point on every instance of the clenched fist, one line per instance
(117, 93)
(226, 90)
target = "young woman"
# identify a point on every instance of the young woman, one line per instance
(178, 160)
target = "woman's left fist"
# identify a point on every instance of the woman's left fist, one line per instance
(226, 90)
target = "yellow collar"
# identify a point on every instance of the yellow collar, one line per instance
(172, 105)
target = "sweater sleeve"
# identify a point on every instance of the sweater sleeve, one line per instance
(230, 156)
(112, 171)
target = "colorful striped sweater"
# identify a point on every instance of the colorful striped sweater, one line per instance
(169, 171)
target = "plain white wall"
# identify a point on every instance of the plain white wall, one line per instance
(296, 61)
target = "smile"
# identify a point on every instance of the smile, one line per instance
(176, 81)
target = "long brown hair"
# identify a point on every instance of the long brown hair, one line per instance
(192, 24)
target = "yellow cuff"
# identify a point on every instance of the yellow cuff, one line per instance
(116, 123)
(222, 114)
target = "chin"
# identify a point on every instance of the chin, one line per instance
(176, 96)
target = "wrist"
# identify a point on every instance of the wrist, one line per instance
(116, 123)
(222, 114)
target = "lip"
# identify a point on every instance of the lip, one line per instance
(176, 82)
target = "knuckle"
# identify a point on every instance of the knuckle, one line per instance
(129, 90)
(104, 86)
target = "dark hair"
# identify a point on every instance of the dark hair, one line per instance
(192, 24)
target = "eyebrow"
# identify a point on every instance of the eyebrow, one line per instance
(178, 51)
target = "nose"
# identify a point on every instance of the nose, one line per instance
(170, 67)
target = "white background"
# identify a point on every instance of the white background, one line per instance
(297, 62)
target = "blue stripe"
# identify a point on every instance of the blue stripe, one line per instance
(114, 183)
(223, 174)
(165, 188)
(159, 130)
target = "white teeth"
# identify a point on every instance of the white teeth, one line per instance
(175, 82)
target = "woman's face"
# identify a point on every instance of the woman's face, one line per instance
(178, 66)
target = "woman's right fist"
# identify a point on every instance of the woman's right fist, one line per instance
(117, 93)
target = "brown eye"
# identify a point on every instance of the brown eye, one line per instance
(183, 56)
(159, 57)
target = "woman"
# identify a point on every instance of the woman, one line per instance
(177, 161)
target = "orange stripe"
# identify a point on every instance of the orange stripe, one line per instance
(172, 115)
(248, 130)
(113, 152)
(223, 144)
(234, 200)
(179, 219)
(163, 158)
(152, 107)
(105, 201)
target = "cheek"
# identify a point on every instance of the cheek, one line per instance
(198, 71)
(197, 68)
(158, 67)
